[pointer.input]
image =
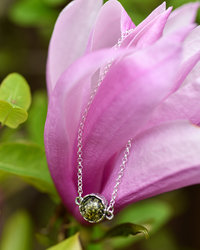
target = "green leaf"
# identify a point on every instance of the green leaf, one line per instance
(72, 243)
(15, 99)
(15, 90)
(28, 161)
(153, 214)
(11, 115)
(125, 229)
(17, 233)
(37, 117)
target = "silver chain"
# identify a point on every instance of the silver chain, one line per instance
(120, 175)
(80, 138)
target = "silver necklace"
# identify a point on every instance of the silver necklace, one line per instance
(93, 207)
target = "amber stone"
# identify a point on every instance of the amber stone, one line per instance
(92, 208)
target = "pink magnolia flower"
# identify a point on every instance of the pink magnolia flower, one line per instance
(151, 94)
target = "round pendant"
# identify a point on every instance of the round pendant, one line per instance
(93, 208)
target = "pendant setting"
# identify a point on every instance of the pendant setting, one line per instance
(93, 208)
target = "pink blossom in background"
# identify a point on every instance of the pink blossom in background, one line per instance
(151, 94)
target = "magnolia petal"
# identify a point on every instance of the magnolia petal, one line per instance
(126, 22)
(152, 32)
(150, 19)
(191, 57)
(162, 159)
(186, 68)
(191, 50)
(183, 104)
(155, 13)
(192, 44)
(181, 17)
(111, 22)
(70, 37)
(63, 118)
(123, 104)
(193, 75)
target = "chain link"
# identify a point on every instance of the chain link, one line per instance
(80, 139)
(80, 133)
(120, 175)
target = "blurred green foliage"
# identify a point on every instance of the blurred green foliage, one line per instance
(28, 161)
(33, 13)
(36, 120)
(18, 233)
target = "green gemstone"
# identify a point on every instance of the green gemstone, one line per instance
(92, 208)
